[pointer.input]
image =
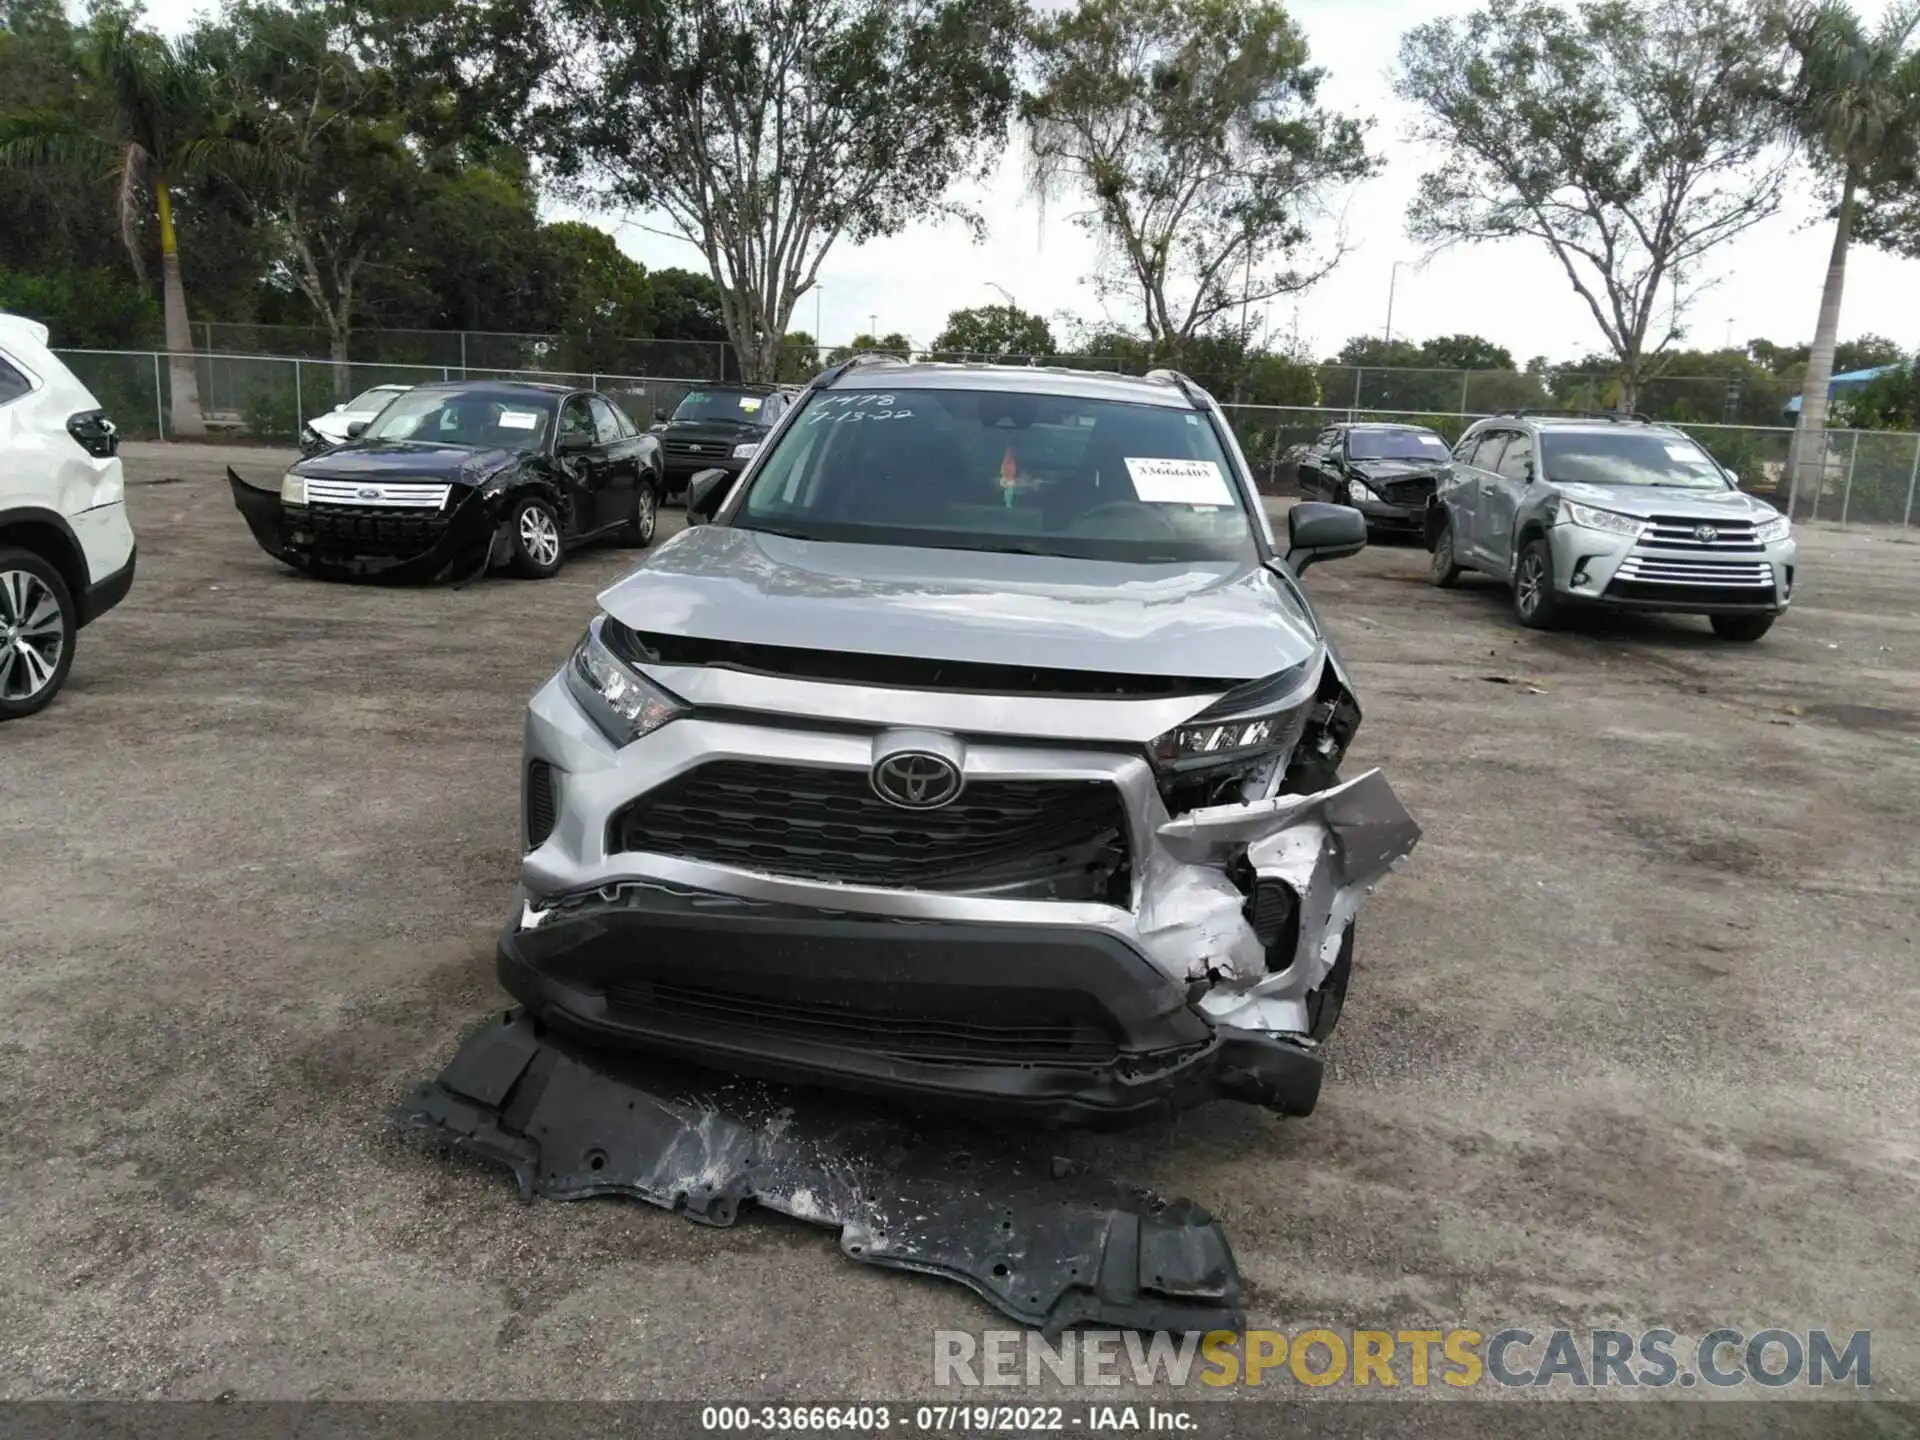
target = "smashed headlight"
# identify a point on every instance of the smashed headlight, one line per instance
(293, 489)
(1254, 721)
(622, 703)
(1771, 532)
(1607, 522)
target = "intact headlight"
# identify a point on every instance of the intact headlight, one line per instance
(293, 489)
(622, 703)
(1605, 521)
(1769, 532)
(746, 450)
(1363, 491)
(1261, 719)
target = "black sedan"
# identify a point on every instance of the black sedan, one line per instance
(1386, 472)
(450, 479)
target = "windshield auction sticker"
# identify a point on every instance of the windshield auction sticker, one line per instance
(519, 419)
(1179, 482)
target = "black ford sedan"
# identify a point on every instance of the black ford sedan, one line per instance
(1386, 472)
(455, 478)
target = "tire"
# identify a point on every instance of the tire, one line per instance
(1534, 603)
(1325, 1004)
(638, 532)
(533, 537)
(1744, 628)
(38, 624)
(1443, 572)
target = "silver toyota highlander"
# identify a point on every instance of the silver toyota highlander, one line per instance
(1613, 512)
(976, 744)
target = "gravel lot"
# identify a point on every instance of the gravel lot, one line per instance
(1634, 1040)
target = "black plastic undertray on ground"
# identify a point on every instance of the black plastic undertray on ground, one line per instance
(1051, 1249)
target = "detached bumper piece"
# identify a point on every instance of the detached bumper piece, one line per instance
(334, 542)
(1049, 1249)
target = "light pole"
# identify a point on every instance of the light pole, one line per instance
(818, 291)
(873, 328)
(1393, 281)
(1005, 294)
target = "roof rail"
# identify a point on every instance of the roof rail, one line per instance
(866, 357)
(1614, 415)
(1187, 387)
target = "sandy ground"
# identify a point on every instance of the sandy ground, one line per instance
(1632, 1041)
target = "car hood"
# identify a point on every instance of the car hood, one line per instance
(1649, 500)
(409, 460)
(1223, 620)
(1398, 469)
(735, 430)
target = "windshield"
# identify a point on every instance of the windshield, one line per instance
(723, 405)
(488, 421)
(993, 470)
(1396, 445)
(369, 401)
(1628, 457)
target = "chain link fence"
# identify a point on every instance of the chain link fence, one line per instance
(1870, 476)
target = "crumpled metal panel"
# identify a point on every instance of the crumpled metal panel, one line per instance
(1047, 1243)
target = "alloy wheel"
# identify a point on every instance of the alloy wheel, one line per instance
(1443, 552)
(649, 512)
(1527, 585)
(539, 536)
(32, 634)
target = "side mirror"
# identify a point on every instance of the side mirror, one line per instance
(705, 491)
(657, 427)
(1317, 531)
(356, 427)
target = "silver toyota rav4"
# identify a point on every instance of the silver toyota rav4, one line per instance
(976, 744)
(1611, 511)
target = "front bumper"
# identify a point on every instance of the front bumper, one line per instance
(400, 546)
(1384, 515)
(1622, 573)
(1073, 1011)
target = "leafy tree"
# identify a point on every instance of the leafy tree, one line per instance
(1628, 138)
(687, 306)
(598, 294)
(1465, 352)
(993, 331)
(146, 113)
(892, 344)
(1853, 100)
(1193, 129)
(1886, 402)
(766, 131)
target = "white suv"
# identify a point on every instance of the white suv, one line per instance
(66, 551)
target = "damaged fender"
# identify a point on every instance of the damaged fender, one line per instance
(1312, 859)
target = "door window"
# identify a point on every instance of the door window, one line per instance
(1486, 452)
(576, 422)
(12, 383)
(1516, 461)
(606, 423)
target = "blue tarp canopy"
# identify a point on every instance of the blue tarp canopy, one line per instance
(1852, 380)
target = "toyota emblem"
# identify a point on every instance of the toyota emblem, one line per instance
(916, 780)
(368, 492)
(1705, 534)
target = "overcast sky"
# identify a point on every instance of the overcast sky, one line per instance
(1513, 293)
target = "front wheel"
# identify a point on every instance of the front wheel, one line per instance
(37, 629)
(1444, 572)
(1534, 603)
(638, 532)
(1745, 628)
(533, 530)
(1325, 1003)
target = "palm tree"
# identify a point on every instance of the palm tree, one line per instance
(1853, 100)
(145, 116)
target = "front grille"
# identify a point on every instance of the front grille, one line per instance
(1682, 596)
(1407, 492)
(365, 531)
(539, 803)
(1065, 837)
(1676, 532)
(1029, 1040)
(711, 449)
(378, 494)
(1659, 569)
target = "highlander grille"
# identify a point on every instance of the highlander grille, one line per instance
(1029, 1040)
(1665, 571)
(1066, 839)
(378, 494)
(1675, 532)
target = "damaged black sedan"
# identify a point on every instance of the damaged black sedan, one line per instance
(977, 745)
(1386, 472)
(451, 480)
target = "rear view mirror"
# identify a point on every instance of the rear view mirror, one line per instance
(1317, 531)
(705, 491)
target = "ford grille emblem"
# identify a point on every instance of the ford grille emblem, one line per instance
(916, 780)
(1705, 534)
(368, 492)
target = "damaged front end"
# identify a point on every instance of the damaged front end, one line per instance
(1095, 932)
(384, 535)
